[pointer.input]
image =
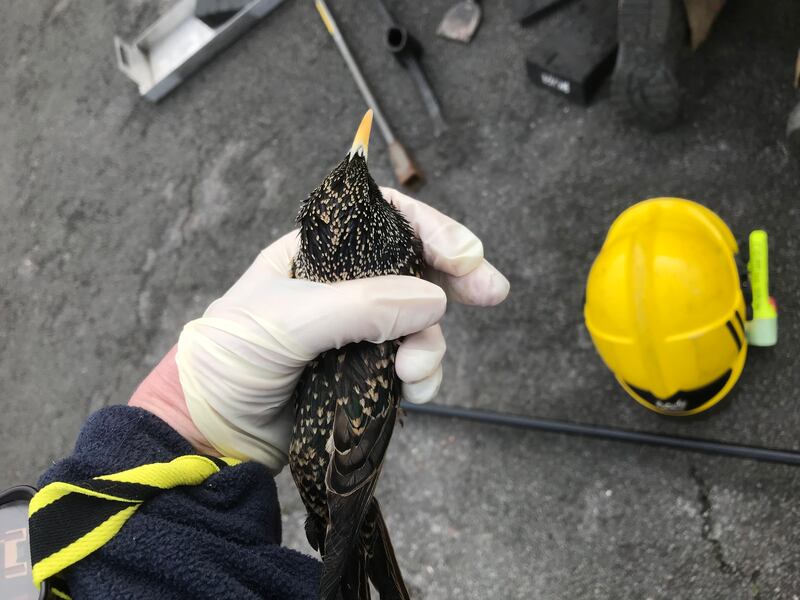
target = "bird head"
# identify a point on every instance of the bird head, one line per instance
(347, 229)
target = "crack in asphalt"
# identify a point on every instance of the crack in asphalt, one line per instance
(55, 11)
(706, 533)
(145, 325)
(194, 183)
(174, 238)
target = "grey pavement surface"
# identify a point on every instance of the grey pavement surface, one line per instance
(120, 220)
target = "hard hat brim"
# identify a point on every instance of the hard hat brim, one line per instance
(736, 371)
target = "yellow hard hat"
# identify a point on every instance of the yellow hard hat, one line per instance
(665, 308)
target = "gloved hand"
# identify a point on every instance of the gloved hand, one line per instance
(239, 363)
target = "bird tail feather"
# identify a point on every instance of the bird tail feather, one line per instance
(373, 558)
(341, 540)
(354, 584)
(382, 567)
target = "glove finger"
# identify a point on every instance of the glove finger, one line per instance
(425, 390)
(420, 354)
(273, 262)
(374, 309)
(485, 286)
(276, 259)
(448, 245)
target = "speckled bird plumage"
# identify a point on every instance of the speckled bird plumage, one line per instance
(347, 400)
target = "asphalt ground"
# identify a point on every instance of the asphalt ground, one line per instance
(121, 220)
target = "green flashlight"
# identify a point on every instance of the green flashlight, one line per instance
(762, 330)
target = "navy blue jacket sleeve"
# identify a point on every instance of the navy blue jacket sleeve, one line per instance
(217, 540)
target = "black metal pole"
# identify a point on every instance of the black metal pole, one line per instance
(774, 455)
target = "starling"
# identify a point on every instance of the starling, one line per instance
(346, 402)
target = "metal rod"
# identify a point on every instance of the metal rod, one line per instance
(387, 16)
(333, 29)
(774, 455)
(407, 51)
(428, 97)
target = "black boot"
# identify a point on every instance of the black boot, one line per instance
(652, 34)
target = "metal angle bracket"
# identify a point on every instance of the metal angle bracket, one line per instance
(182, 40)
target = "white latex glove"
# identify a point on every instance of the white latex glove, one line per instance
(239, 363)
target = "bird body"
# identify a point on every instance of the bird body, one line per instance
(347, 399)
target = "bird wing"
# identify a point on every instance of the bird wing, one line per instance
(364, 419)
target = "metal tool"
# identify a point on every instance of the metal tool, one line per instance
(461, 21)
(182, 40)
(529, 11)
(212, 8)
(408, 51)
(404, 169)
(773, 455)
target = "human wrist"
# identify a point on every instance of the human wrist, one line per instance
(160, 393)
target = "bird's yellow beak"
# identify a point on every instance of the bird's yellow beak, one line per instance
(361, 141)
